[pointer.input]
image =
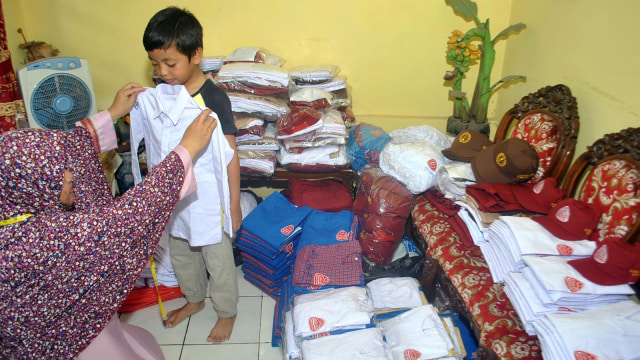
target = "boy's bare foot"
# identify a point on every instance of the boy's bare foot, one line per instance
(176, 316)
(221, 332)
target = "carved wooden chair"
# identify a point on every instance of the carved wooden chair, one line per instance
(548, 119)
(608, 174)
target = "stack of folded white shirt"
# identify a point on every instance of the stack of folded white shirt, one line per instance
(511, 237)
(258, 156)
(165, 274)
(309, 75)
(608, 332)
(338, 309)
(254, 74)
(330, 131)
(269, 107)
(211, 64)
(332, 155)
(548, 284)
(336, 83)
(418, 333)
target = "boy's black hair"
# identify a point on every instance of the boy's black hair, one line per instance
(173, 26)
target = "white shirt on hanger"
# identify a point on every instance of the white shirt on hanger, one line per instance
(160, 117)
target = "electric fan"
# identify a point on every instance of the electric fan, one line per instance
(57, 92)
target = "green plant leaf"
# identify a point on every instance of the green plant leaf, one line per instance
(507, 79)
(467, 8)
(513, 28)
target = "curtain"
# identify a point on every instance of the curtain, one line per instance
(10, 99)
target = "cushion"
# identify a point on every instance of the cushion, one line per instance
(540, 130)
(615, 186)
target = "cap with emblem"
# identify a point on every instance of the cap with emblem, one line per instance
(614, 262)
(466, 145)
(511, 160)
(571, 219)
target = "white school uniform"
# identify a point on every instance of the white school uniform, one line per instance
(160, 117)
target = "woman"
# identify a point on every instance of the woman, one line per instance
(69, 252)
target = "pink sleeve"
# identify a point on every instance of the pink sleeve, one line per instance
(190, 184)
(100, 127)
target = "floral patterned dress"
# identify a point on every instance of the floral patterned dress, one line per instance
(64, 273)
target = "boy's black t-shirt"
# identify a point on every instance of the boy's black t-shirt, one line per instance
(217, 100)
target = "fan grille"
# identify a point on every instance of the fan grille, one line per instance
(59, 100)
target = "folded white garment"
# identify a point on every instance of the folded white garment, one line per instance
(395, 293)
(332, 309)
(419, 332)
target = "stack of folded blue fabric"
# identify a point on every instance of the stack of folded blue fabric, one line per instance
(267, 242)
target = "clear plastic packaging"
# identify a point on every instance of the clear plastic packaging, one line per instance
(382, 205)
(314, 74)
(253, 54)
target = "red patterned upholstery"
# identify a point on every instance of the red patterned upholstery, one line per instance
(547, 119)
(495, 321)
(608, 174)
(614, 185)
(540, 129)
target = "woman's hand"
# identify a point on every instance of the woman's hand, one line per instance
(198, 134)
(125, 98)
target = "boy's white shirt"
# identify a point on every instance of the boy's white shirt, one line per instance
(160, 117)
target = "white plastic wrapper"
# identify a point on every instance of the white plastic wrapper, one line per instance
(423, 133)
(414, 164)
(253, 54)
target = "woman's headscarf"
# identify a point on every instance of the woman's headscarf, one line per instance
(64, 274)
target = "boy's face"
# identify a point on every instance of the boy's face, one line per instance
(174, 67)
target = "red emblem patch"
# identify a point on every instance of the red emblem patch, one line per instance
(537, 188)
(601, 255)
(289, 248)
(564, 249)
(376, 132)
(583, 355)
(320, 279)
(342, 236)
(433, 164)
(411, 354)
(564, 214)
(287, 230)
(315, 323)
(573, 284)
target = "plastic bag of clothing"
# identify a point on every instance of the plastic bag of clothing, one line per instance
(413, 161)
(408, 261)
(365, 143)
(382, 205)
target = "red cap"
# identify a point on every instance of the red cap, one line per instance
(540, 197)
(571, 219)
(614, 262)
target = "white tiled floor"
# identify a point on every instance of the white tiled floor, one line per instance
(251, 337)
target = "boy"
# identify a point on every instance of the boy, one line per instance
(173, 41)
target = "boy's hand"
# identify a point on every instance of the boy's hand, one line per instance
(124, 100)
(198, 134)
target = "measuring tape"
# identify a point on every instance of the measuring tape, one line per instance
(155, 282)
(15, 219)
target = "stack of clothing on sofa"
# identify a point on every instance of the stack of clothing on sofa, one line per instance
(544, 251)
